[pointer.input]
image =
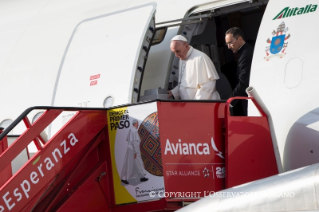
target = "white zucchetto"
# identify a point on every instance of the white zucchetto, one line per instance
(134, 121)
(180, 38)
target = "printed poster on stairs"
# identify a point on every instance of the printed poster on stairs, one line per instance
(136, 153)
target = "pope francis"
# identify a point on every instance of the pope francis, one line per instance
(133, 165)
(197, 73)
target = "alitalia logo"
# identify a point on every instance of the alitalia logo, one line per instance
(288, 12)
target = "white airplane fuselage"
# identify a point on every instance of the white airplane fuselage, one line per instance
(78, 53)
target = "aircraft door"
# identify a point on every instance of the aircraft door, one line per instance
(104, 59)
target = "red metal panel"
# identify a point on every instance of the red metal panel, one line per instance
(184, 126)
(3, 143)
(6, 173)
(70, 175)
(105, 154)
(92, 195)
(47, 163)
(76, 172)
(36, 141)
(143, 206)
(249, 149)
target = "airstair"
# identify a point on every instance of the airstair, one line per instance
(186, 146)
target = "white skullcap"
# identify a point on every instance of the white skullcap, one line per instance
(180, 38)
(134, 121)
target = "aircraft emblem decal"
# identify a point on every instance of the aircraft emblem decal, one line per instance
(219, 153)
(278, 42)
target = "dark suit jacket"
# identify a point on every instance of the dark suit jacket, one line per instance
(243, 73)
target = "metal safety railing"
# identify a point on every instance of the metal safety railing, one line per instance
(35, 177)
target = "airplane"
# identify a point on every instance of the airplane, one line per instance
(106, 54)
(54, 37)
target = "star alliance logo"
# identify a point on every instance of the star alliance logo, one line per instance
(206, 172)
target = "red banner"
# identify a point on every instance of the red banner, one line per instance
(192, 147)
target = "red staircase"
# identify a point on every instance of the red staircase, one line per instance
(72, 171)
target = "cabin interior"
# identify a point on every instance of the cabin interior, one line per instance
(208, 36)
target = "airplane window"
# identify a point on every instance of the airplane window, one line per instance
(36, 116)
(108, 102)
(5, 123)
(159, 35)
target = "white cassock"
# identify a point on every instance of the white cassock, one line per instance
(197, 77)
(133, 167)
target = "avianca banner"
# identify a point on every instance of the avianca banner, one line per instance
(192, 147)
(136, 153)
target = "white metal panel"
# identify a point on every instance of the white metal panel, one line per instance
(102, 58)
(217, 4)
(33, 37)
(296, 190)
(288, 89)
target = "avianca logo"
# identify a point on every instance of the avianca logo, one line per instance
(191, 148)
(287, 12)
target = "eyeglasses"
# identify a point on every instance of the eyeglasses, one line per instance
(230, 43)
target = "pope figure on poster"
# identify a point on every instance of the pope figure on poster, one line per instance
(133, 165)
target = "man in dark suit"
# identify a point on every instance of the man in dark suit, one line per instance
(235, 41)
